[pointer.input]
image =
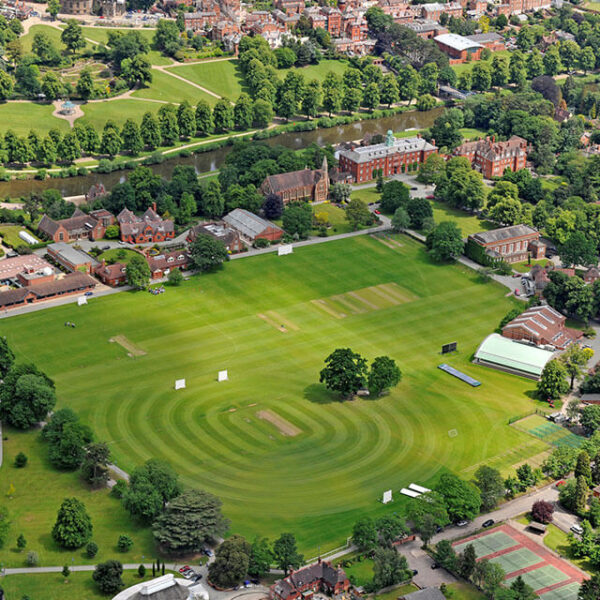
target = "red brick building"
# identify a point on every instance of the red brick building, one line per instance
(251, 227)
(145, 229)
(200, 21)
(392, 157)
(306, 184)
(304, 583)
(512, 244)
(229, 237)
(80, 226)
(434, 10)
(458, 48)
(493, 41)
(425, 28)
(112, 275)
(290, 7)
(543, 326)
(162, 264)
(491, 158)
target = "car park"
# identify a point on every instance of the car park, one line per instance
(488, 523)
(198, 577)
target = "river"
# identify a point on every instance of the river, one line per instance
(212, 160)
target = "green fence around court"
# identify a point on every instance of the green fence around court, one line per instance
(549, 432)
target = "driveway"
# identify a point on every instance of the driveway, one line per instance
(418, 559)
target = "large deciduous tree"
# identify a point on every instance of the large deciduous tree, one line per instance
(137, 272)
(345, 372)
(231, 562)
(462, 498)
(384, 374)
(491, 486)
(73, 527)
(285, 551)
(207, 253)
(189, 521)
(444, 242)
(553, 382)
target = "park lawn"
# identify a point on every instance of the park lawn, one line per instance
(52, 32)
(525, 267)
(318, 464)
(122, 255)
(10, 235)
(100, 34)
(556, 539)
(336, 216)
(396, 592)
(468, 223)
(98, 113)
(22, 117)
(33, 509)
(367, 195)
(361, 572)
(52, 586)
(467, 66)
(318, 72)
(167, 88)
(223, 77)
(465, 591)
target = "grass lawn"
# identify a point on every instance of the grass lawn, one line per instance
(53, 33)
(556, 539)
(332, 470)
(361, 572)
(396, 592)
(121, 255)
(100, 34)
(465, 591)
(222, 77)
(52, 586)
(318, 72)
(367, 195)
(467, 66)
(118, 111)
(468, 223)
(10, 235)
(336, 216)
(524, 267)
(167, 88)
(33, 509)
(22, 117)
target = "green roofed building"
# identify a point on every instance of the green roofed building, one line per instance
(507, 355)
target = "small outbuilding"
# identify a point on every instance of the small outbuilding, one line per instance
(251, 226)
(424, 594)
(513, 357)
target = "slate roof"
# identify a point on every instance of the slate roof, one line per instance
(248, 223)
(504, 233)
(485, 38)
(168, 260)
(368, 153)
(425, 594)
(493, 150)
(224, 234)
(78, 223)
(317, 572)
(131, 224)
(295, 179)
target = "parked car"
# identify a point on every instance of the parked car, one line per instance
(415, 572)
(184, 568)
(462, 523)
(189, 574)
(435, 566)
(377, 212)
(105, 248)
(89, 294)
(198, 577)
(578, 529)
(488, 523)
(207, 551)
(430, 197)
(414, 189)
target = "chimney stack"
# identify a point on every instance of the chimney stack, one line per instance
(154, 206)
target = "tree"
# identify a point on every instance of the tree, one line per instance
(143, 501)
(136, 71)
(243, 112)
(358, 213)
(467, 562)
(433, 169)
(541, 511)
(499, 70)
(445, 556)
(189, 521)
(384, 374)
(94, 469)
(131, 138)
(204, 122)
(175, 277)
(124, 543)
(262, 112)
(167, 120)
(553, 382)
(73, 527)
(91, 549)
(522, 591)
(142, 571)
(581, 495)
(297, 219)
(340, 192)
(53, 8)
(7, 85)
(261, 557)
(223, 115)
(389, 90)
(590, 588)
(231, 562)
(21, 542)
(444, 242)
(462, 498)
(166, 37)
(364, 534)
(286, 553)
(332, 101)
(389, 567)
(207, 253)
(150, 131)
(67, 451)
(419, 209)
(273, 206)
(552, 61)
(351, 99)
(213, 203)
(526, 476)
(578, 249)
(107, 576)
(7, 357)
(491, 487)
(14, 51)
(400, 220)
(391, 528)
(26, 396)
(482, 76)
(137, 272)
(574, 359)
(85, 84)
(587, 59)
(590, 418)
(66, 572)
(72, 36)
(371, 97)
(345, 372)
(20, 460)
(311, 99)
(394, 194)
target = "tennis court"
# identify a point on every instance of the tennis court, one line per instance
(549, 432)
(489, 544)
(517, 560)
(542, 578)
(566, 592)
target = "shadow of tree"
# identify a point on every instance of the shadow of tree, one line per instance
(319, 394)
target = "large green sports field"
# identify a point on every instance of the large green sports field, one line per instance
(281, 452)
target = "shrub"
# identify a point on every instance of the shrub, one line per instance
(261, 243)
(91, 549)
(142, 571)
(82, 171)
(119, 489)
(541, 511)
(104, 166)
(32, 559)
(20, 460)
(125, 543)
(41, 174)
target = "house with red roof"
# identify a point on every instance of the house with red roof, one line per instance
(149, 228)
(304, 583)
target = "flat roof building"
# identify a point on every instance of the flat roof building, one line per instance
(70, 257)
(458, 47)
(513, 357)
